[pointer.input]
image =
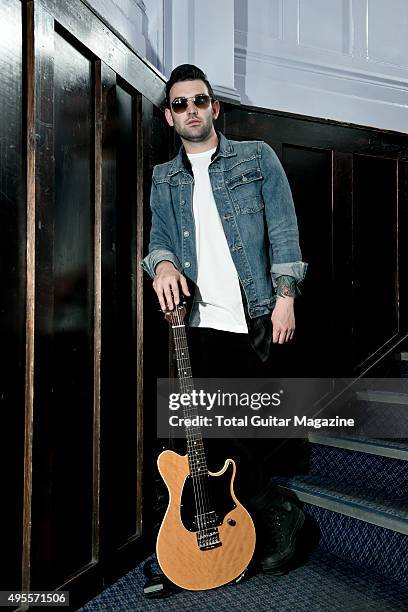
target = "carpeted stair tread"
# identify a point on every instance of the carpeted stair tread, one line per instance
(324, 583)
(381, 476)
(373, 547)
(398, 443)
(320, 486)
(401, 443)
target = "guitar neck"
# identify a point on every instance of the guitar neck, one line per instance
(195, 446)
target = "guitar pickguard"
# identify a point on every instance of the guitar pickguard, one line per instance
(219, 495)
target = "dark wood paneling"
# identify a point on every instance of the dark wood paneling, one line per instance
(157, 148)
(95, 145)
(73, 331)
(375, 254)
(119, 393)
(350, 192)
(342, 273)
(37, 519)
(313, 132)
(402, 248)
(12, 293)
(63, 410)
(96, 37)
(312, 194)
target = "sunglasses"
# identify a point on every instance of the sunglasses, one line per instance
(201, 101)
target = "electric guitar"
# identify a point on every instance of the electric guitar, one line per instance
(207, 538)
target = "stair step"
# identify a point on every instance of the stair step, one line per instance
(394, 449)
(383, 397)
(353, 471)
(381, 412)
(389, 514)
(379, 549)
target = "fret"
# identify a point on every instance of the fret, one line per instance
(197, 474)
(200, 452)
(197, 448)
(198, 465)
(207, 514)
(195, 440)
(196, 469)
(198, 460)
(196, 445)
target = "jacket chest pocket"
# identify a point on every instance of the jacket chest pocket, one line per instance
(245, 190)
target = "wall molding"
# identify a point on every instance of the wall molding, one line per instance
(324, 69)
(226, 93)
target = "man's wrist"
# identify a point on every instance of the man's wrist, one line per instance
(162, 264)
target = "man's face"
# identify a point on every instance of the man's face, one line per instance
(194, 124)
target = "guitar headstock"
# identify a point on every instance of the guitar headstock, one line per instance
(177, 315)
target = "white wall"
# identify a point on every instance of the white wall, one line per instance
(340, 59)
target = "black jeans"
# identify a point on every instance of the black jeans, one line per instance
(221, 354)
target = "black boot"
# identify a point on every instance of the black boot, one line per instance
(278, 524)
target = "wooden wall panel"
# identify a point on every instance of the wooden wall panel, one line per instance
(401, 237)
(120, 415)
(350, 192)
(312, 194)
(375, 254)
(93, 140)
(13, 290)
(62, 509)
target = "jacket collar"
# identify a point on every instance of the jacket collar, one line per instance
(182, 163)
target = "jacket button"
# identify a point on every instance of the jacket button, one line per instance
(187, 264)
(186, 234)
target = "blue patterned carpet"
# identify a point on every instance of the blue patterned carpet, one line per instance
(382, 475)
(324, 584)
(350, 538)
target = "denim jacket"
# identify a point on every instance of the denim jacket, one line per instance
(256, 209)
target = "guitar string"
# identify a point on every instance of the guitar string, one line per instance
(197, 485)
(201, 488)
(200, 500)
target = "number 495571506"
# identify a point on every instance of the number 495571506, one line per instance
(34, 598)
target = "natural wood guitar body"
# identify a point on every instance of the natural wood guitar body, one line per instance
(178, 553)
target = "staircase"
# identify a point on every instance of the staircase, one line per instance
(356, 490)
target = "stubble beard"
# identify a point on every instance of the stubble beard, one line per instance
(198, 133)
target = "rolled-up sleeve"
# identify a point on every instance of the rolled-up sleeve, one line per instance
(160, 244)
(281, 220)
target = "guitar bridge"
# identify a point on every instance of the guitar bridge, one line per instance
(208, 538)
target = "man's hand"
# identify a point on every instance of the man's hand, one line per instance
(166, 285)
(283, 320)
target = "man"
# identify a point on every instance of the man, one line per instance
(223, 218)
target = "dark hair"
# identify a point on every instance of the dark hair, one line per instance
(186, 72)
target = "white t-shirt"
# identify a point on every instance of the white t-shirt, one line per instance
(217, 301)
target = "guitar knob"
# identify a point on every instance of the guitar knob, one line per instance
(231, 522)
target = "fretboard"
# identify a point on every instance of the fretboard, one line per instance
(195, 447)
